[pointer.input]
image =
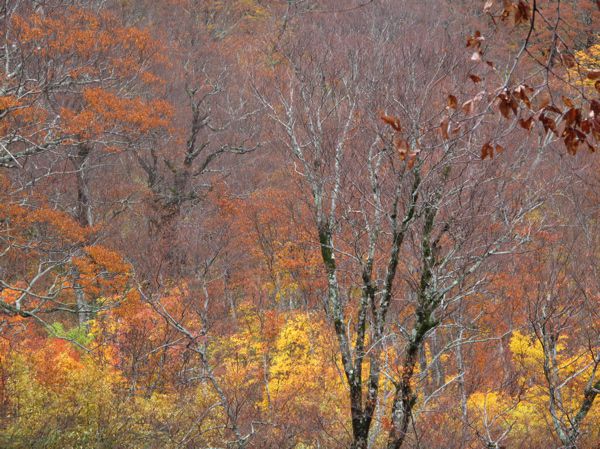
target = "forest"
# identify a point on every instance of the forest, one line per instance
(299, 224)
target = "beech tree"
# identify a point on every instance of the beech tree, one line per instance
(71, 96)
(383, 201)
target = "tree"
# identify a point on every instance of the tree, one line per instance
(388, 203)
(408, 261)
(73, 93)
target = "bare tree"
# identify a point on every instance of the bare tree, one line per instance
(390, 199)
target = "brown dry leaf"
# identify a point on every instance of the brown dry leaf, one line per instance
(394, 122)
(444, 125)
(452, 102)
(573, 116)
(586, 126)
(475, 40)
(475, 78)
(521, 94)
(526, 123)
(549, 124)
(521, 12)
(571, 140)
(487, 150)
(504, 106)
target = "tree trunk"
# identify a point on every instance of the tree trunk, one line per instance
(83, 209)
(83, 213)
